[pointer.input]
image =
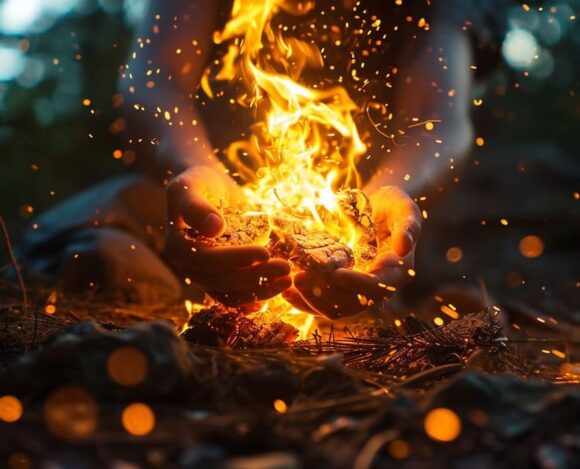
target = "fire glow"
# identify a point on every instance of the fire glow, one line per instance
(304, 146)
(305, 142)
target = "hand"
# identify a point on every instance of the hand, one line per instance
(235, 275)
(345, 292)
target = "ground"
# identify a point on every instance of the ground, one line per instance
(122, 390)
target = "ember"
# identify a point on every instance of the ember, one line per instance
(219, 325)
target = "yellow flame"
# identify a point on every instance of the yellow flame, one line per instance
(278, 308)
(305, 144)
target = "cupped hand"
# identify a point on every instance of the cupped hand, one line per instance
(345, 292)
(235, 275)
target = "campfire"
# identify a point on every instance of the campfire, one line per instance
(299, 163)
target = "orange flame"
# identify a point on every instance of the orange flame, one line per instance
(305, 145)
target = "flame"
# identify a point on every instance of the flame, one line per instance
(278, 308)
(304, 146)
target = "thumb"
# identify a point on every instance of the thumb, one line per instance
(400, 218)
(405, 234)
(187, 207)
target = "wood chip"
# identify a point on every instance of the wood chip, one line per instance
(241, 229)
(223, 325)
(318, 251)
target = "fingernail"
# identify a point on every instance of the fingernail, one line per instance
(211, 225)
(263, 255)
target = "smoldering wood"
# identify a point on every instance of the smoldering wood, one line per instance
(315, 252)
(242, 228)
(222, 325)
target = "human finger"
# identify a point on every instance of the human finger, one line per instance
(326, 299)
(187, 206)
(369, 286)
(292, 296)
(258, 275)
(243, 297)
(197, 257)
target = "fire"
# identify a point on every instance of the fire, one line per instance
(305, 146)
(278, 308)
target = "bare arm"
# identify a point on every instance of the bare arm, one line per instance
(173, 47)
(171, 50)
(439, 90)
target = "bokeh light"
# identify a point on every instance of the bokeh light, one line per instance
(127, 366)
(519, 48)
(454, 254)
(24, 16)
(10, 409)
(531, 246)
(135, 10)
(13, 63)
(442, 425)
(550, 30)
(399, 449)
(33, 73)
(544, 63)
(18, 16)
(71, 413)
(280, 406)
(19, 461)
(138, 419)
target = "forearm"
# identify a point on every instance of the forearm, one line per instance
(172, 48)
(433, 109)
(167, 142)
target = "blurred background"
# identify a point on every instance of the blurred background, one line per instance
(60, 130)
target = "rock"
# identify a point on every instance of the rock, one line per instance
(151, 362)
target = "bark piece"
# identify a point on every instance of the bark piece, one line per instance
(219, 324)
(318, 251)
(241, 229)
(309, 250)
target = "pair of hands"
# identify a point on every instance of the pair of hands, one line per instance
(243, 275)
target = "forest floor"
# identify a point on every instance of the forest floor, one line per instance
(103, 385)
